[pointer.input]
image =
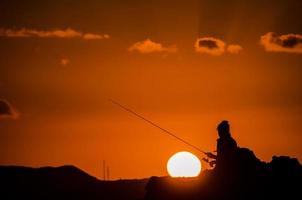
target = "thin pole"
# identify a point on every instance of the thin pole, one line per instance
(157, 126)
(104, 170)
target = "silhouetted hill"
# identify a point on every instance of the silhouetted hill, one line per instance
(279, 179)
(66, 182)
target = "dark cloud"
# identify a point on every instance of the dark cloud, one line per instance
(290, 43)
(214, 46)
(211, 44)
(7, 111)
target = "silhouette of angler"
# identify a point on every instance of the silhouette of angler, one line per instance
(226, 148)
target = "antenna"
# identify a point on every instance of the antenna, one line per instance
(104, 170)
(108, 177)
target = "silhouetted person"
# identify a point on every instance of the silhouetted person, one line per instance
(226, 148)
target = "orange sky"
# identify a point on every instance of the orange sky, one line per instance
(60, 61)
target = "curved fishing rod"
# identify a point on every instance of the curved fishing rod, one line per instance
(157, 126)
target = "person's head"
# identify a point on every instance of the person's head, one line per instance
(223, 129)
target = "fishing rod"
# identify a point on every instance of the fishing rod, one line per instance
(157, 126)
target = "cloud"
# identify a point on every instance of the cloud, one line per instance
(7, 111)
(91, 36)
(210, 45)
(64, 61)
(216, 47)
(55, 33)
(234, 48)
(148, 46)
(290, 43)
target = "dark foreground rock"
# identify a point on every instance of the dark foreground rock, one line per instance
(279, 179)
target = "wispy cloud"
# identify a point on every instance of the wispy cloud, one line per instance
(7, 111)
(289, 43)
(54, 33)
(234, 48)
(215, 46)
(148, 46)
(92, 36)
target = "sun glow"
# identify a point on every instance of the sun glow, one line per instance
(184, 164)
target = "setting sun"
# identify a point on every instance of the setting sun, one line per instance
(184, 164)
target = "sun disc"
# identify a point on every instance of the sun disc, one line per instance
(183, 164)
